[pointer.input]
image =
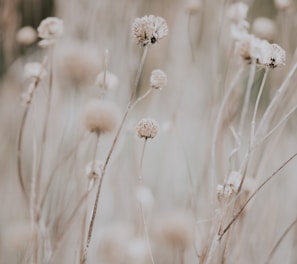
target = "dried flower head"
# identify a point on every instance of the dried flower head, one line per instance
(109, 82)
(282, 4)
(101, 116)
(261, 51)
(158, 79)
(34, 70)
(51, 28)
(264, 28)
(149, 29)
(147, 128)
(26, 36)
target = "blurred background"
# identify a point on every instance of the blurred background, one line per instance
(179, 195)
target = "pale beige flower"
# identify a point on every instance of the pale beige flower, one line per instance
(158, 79)
(101, 116)
(147, 128)
(149, 29)
(26, 36)
(51, 28)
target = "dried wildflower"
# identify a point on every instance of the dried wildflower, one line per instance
(26, 36)
(194, 6)
(282, 4)
(50, 28)
(158, 79)
(110, 83)
(261, 51)
(147, 128)
(34, 70)
(149, 29)
(264, 28)
(101, 116)
(46, 43)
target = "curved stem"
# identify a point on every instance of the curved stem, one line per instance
(280, 240)
(257, 105)
(136, 82)
(254, 193)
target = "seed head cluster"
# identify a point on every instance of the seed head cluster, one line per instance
(49, 30)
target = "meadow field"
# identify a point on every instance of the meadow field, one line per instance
(148, 132)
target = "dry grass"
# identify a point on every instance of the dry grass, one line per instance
(215, 185)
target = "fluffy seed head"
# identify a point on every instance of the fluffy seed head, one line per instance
(51, 28)
(26, 36)
(149, 29)
(147, 128)
(264, 28)
(101, 116)
(282, 4)
(158, 79)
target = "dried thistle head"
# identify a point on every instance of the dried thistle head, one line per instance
(149, 29)
(158, 79)
(147, 128)
(101, 116)
(26, 36)
(49, 30)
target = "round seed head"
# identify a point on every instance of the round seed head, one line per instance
(34, 70)
(264, 28)
(110, 82)
(147, 128)
(158, 79)
(26, 36)
(101, 116)
(51, 28)
(149, 29)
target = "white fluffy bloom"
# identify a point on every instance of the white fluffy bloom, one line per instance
(34, 70)
(51, 28)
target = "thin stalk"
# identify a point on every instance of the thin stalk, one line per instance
(285, 118)
(135, 84)
(140, 182)
(46, 124)
(280, 240)
(139, 99)
(253, 195)
(257, 105)
(280, 91)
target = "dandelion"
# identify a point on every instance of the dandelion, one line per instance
(26, 36)
(101, 116)
(158, 79)
(107, 81)
(147, 128)
(149, 29)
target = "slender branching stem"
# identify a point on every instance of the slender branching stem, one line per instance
(253, 195)
(135, 84)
